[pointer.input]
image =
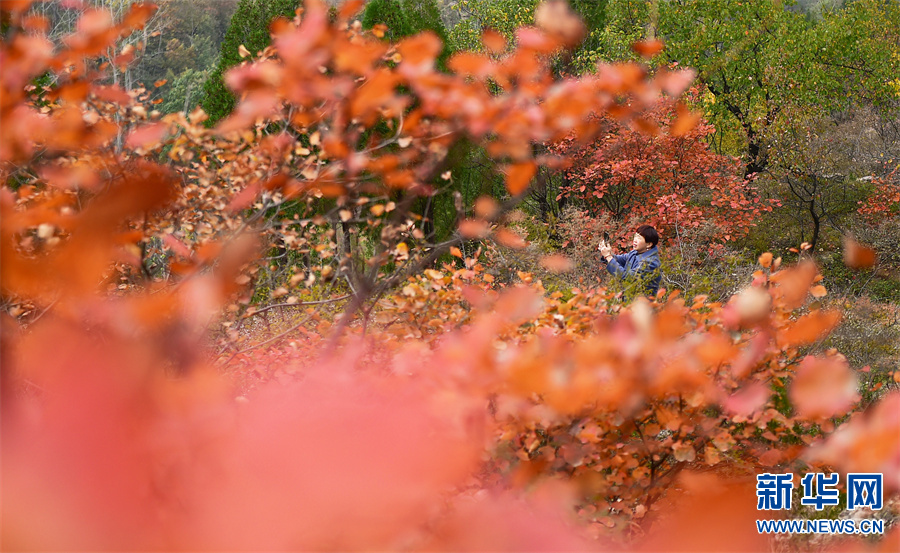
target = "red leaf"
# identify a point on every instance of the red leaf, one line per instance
(146, 136)
(244, 198)
(770, 458)
(747, 400)
(823, 387)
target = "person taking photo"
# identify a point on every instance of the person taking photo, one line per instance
(640, 265)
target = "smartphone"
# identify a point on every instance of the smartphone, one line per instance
(605, 237)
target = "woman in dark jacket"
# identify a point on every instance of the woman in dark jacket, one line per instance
(641, 263)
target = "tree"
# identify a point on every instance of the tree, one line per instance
(339, 160)
(188, 51)
(742, 52)
(815, 171)
(758, 58)
(249, 28)
(406, 18)
(657, 174)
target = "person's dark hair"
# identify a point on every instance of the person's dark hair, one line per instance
(649, 233)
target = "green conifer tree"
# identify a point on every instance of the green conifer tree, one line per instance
(250, 27)
(406, 18)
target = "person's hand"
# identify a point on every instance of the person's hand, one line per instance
(605, 250)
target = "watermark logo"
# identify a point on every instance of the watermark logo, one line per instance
(823, 493)
(864, 489)
(773, 491)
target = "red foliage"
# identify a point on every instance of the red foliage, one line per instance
(885, 202)
(661, 172)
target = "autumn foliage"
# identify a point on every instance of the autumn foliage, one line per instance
(885, 202)
(661, 171)
(456, 414)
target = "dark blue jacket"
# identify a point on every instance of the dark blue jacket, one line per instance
(634, 265)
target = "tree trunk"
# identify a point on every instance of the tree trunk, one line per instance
(817, 223)
(756, 154)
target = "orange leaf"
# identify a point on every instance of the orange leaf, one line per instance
(485, 207)
(112, 93)
(750, 306)
(474, 228)
(146, 136)
(138, 16)
(350, 8)
(16, 5)
(748, 399)
(518, 177)
(509, 239)
(177, 246)
(648, 48)
(794, 283)
(809, 328)
(823, 387)
(856, 255)
(493, 41)
(647, 127)
(557, 263)
(686, 121)
(818, 291)
(557, 19)
(244, 198)
(469, 63)
(418, 53)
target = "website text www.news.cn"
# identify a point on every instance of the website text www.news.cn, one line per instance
(820, 526)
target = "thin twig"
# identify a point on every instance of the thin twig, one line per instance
(269, 341)
(295, 304)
